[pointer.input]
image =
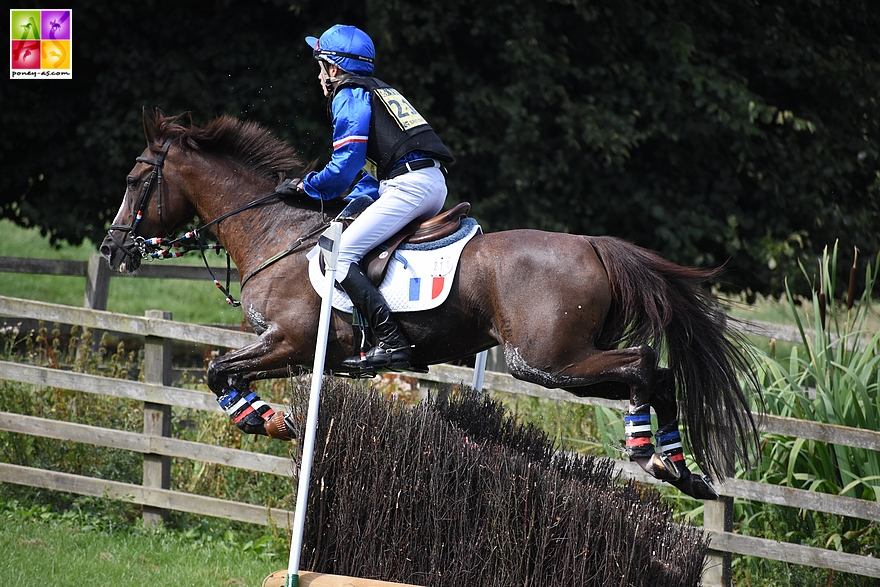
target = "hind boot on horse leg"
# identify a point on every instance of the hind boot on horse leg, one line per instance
(633, 367)
(669, 439)
(640, 449)
(394, 350)
(637, 421)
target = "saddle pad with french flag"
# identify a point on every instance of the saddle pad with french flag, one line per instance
(419, 277)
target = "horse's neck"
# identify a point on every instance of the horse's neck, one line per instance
(254, 235)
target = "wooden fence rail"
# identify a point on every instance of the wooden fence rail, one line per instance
(157, 393)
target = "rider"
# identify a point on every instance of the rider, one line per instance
(383, 146)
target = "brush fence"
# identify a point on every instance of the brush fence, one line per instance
(158, 448)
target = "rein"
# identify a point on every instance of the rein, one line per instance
(151, 248)
(155, 252)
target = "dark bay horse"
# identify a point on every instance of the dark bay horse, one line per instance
(591, 315)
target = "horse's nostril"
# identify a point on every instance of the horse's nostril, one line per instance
(106, 252)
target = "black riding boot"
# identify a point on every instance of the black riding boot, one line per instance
(394, 350)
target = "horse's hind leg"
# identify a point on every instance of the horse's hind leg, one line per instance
(619, 373)
(637, 428)
(669, 438)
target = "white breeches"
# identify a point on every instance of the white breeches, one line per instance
(415, 194)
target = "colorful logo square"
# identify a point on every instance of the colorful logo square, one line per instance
(25, 24)
(25, 55)
(55, 55)
(55, 24)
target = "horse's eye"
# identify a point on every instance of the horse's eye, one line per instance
(131, 181)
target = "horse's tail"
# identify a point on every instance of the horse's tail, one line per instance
(659, 303)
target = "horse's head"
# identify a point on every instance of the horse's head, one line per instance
(211, 171)
(153, 205)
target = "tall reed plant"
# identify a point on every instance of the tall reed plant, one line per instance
(831, 377)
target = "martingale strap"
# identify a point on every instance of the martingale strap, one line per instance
(229, 299)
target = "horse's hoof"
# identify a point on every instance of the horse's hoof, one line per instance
(279, 427)
(659, 466)
(252, 424)
(697, 486)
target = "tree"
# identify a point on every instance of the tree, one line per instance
(711, 133)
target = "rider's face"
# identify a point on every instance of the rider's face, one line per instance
(323, 75)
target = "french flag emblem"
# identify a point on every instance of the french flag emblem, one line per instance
(423, 289)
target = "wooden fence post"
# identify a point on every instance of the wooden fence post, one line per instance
(97, 283)
(157, 417)
(718, 516)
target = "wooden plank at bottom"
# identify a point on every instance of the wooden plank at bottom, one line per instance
(309, 579)
(794, 553)
(160, 498)
(323, 580)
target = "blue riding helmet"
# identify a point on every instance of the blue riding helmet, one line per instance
(347, 47)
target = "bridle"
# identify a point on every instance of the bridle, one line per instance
(155, 178)
(151, 248)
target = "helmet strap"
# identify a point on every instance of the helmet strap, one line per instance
(330, 80)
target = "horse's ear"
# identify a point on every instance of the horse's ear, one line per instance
(151, 130)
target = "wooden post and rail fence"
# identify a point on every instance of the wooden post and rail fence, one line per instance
(159, 396)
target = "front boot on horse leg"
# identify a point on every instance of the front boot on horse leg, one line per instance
(669, 445)
(394, 350)
(254, 416)
(637, 427)
(241, 412)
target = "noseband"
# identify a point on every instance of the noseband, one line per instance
(155, 178)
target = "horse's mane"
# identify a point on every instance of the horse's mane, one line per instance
(248, 143)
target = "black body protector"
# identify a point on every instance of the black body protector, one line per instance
(396, 128)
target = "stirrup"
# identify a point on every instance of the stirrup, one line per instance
(381, 357)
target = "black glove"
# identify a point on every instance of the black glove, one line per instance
(289, 187)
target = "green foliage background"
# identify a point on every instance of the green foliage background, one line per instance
(707, 130)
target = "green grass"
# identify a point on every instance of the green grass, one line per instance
(198, 302)
(42, 548)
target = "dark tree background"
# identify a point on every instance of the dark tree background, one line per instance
(711, 131)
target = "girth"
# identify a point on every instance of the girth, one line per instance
(375, 263)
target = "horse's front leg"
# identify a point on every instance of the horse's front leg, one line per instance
(230, 376)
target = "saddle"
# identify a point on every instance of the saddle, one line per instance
(375, 263)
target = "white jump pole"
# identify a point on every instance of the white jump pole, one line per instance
(329, 244)
(480, 370)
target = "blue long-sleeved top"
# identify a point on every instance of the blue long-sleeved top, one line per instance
(351, 128)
